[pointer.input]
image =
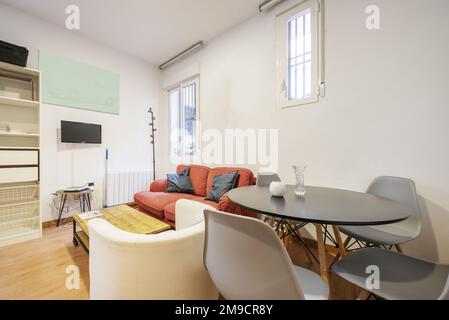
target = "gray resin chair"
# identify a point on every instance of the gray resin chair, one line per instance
(265, 178)
(401, 190)
(401, 277)
(246, 260)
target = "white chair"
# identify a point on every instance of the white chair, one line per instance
(168, 265)
(403, 191)
(265, 178)
(401, 277)
(247, 261)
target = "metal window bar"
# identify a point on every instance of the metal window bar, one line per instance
(297, 57)
(189, 122)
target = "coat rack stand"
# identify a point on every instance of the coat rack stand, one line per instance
(152, 136)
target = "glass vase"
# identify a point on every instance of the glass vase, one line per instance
(299, 173)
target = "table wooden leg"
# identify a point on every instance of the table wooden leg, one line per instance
(363, 295)
(321, 253)
(341, 246)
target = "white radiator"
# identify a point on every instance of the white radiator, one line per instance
(122, 186)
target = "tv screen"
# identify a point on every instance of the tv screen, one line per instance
(77, 132)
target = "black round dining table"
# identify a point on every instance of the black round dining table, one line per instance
(321, 206)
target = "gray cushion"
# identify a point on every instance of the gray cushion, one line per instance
(179, 183)
(221, 185)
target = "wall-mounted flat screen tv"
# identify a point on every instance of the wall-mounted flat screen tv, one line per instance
(77, 132)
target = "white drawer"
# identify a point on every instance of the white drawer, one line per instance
(10, 175)
(18, 157)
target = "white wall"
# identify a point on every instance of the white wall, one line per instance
(126, 135)
(386, 108)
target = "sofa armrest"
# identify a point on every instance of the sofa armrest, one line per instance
(226, 205)
(159, 185)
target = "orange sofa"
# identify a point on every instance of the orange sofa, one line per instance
(160, 204)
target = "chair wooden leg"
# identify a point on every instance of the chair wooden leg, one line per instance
(286, 240)
(321, 253)
(341, 245)
(364, 295)
(398, 248)
(282, 235)
(348, 239)
(337, 256)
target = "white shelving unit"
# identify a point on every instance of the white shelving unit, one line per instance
(18, 102)
(20, 217)
(18, 134)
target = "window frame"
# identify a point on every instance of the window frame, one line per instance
(182, 138)
(282, 30)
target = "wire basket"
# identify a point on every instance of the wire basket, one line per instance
(18, 212)
(19, 194)
(15, 228)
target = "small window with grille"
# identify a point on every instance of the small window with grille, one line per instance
(299, 54)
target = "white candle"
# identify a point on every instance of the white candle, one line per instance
(277, 189)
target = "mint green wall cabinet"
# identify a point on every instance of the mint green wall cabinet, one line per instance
(75, 84)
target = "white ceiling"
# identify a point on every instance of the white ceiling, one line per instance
(154, 30)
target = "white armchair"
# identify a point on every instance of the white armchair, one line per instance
(168, 265)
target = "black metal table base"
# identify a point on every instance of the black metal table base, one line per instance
(84, 200)
(289, 229)
(77, 240)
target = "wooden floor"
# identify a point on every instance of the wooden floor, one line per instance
(37, 269)
(339, 289)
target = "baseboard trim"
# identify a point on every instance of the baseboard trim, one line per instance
(53, 223)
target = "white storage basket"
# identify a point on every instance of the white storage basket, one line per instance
(20, 227)
(16, 212)
(25, 193)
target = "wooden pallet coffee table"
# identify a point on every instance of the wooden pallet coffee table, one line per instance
(123, 217)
